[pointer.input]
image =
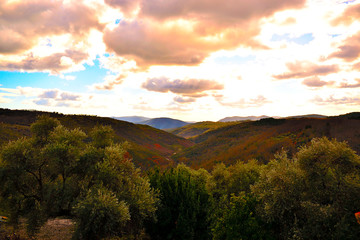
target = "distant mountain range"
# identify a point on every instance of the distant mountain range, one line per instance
(238, 118)
(164, 123)
(132, 119)
(159, 123)
(255, 118)
(201, 144)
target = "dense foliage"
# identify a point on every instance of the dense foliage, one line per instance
(64, 172)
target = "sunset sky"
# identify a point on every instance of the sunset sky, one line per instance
(193, 60)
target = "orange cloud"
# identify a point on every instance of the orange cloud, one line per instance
(349, 50)
(316, 82)
(184, 32)
(54, 63)
(306, 69)
(350, 15)
(337, 101)
(347, 85)
(242, 103)
(110, 82)
(23, 22)
(189, 86)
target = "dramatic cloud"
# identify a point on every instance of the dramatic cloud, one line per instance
(23, 22)
(349, 50)
(184, 32)
(316, 82)
(189, 86)
(306, 69)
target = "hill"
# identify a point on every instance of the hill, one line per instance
(132, 119)
(149, 146)
(164, 123)
(263, 138)
(309, 116)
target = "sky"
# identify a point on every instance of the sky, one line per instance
(194, 60)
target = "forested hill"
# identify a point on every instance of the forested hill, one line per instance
(263, 138)
(149, 146)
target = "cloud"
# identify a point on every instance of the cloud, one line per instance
(349, 16)
(242, 103)
(316, 82)
(347, 85)
(110, 82)
(23, 22)
(306, 69)
(184, 100)
(42, 102)
(65, 96)
(189, 86)
(49, 94)
(337, 101)
(349, 50)
(356, 66)
(185, 32)
(233, 11)
(54, 63)
(127, 6)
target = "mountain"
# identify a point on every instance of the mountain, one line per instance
(148, 146)
(164, 123)
(132, 119)
(263, 138)
(237, 118)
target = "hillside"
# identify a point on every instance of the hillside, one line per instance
(195, 129)
(149, 146)
(164, 123)
(262, 139)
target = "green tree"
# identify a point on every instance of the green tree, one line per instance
(49, 173)
(182, 213)
(313, 195)
(100, 214)
(233, 212)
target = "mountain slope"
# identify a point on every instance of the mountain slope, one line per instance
(164, 123)
(149, 146)
(262, 139)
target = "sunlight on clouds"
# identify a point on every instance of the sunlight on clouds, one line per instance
(192, 59)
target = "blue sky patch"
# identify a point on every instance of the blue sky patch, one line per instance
(302, 40)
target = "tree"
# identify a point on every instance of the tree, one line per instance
(182, 213)
(233, 212)
(57, 169)
(315, 194)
